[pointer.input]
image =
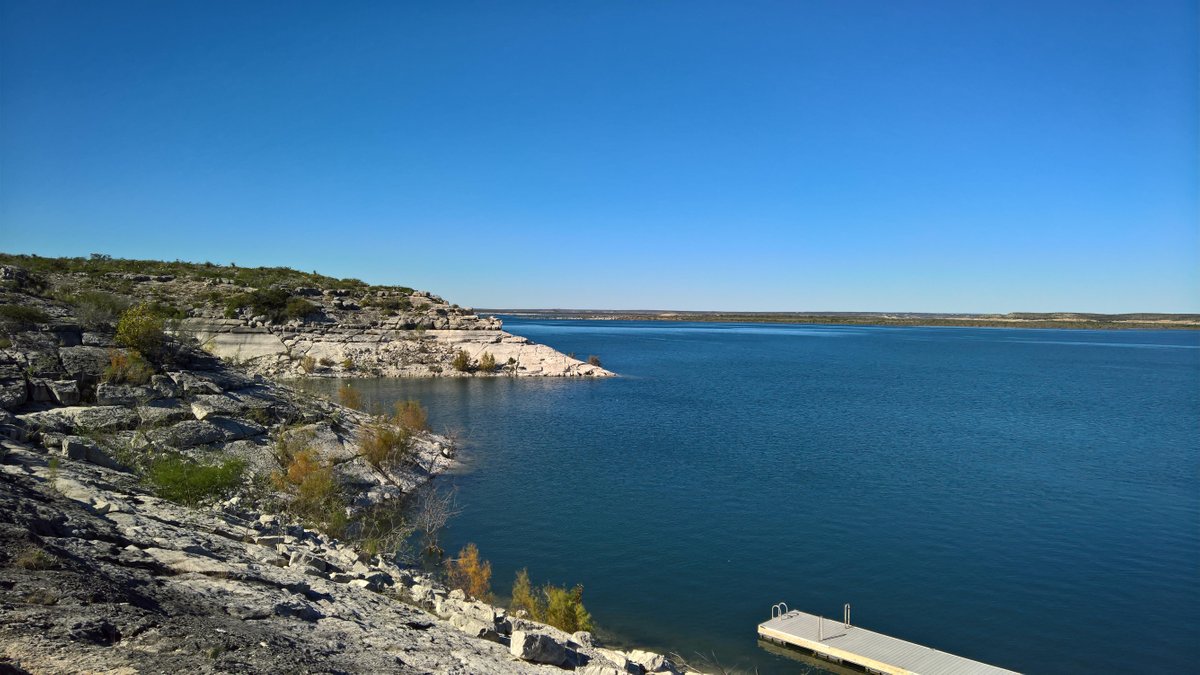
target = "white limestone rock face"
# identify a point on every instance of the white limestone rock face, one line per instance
(326, 350)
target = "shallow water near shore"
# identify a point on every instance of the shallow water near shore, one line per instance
(1027, 498)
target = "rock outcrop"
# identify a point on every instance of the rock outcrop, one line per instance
(280, 322)
(385, 349)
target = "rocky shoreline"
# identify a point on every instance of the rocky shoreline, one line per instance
(97, 575)
(163, 509)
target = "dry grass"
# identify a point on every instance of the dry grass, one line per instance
(34, 558)
(384, 444)
(412, 415)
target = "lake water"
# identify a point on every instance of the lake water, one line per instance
(1027, 498)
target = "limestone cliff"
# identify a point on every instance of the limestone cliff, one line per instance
(281, 322)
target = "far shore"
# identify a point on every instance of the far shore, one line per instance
(1142, 321)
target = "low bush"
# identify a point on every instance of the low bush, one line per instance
(317, 497)
(412, 415)
(182, 480)
(308, 364)
(384, 444)
(22, 315)
(554, 605)
(298, 308)
(462, 361)
(142, 330)
(127, 367)
(274, 303)
(34, 558)
(97, 309)
(471, 573)
(594, 360)
(487, 362)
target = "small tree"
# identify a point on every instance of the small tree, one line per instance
(487, 362)
(564, 609)
(462, 361)
(594, 360)
(471, 573)
(551, 604)
(523, 598)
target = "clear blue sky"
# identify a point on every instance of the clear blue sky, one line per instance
(840, 155)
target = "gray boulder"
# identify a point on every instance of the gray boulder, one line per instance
(108, 393)
(66, 392)
(13, 394)
(216, 404)
(650, 661)
(537, 647)
(193, 433)
(96, 418)
(85, 450)
(83, 362)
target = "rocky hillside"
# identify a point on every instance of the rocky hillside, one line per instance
(281, 322)
(162, 509)
(98, 575)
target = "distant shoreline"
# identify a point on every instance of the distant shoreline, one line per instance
(1014, 320)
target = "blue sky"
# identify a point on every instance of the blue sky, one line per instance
(841, 155)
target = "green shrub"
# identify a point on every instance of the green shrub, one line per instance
(141, 329)
(462, 361)
(565, 610)
(298, 308)
(554, 605)
(487, 362)
(182, 480)
(594, 360)
(274, 303)
(22, 315)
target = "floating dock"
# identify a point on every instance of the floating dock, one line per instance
(840, 642)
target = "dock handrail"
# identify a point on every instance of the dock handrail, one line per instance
(778, 609)
(846, 612)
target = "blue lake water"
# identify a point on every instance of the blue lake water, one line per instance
(1027, 498)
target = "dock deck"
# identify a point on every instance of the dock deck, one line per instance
(834, 641)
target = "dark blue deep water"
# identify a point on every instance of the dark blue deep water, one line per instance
(1027, 498)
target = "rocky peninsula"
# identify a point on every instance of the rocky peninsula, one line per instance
(166, 509)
